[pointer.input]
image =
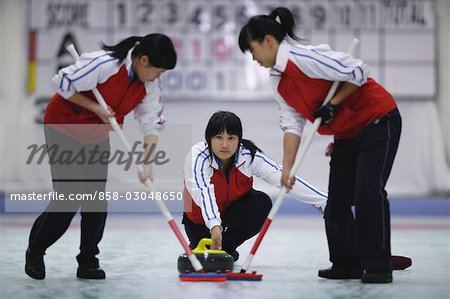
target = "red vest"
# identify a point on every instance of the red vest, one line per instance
(370, 102)
(226, 192)
(121, 95)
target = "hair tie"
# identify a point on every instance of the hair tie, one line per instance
(275, 17)
(138, 41)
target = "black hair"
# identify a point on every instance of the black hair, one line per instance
(260, 26)
(228, 121)
(156, 46)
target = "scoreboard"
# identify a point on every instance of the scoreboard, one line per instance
(398, 41)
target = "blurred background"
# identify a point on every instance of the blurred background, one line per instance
(405, 43)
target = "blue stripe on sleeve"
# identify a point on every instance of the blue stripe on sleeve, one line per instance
(362, 74)
(275, 166)
(321, 62)
(335, 60)
(81, 68)
(87, 73)
(311, 188)
(196, 180)
(209, 191)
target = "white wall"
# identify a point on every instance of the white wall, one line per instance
(443, 100)
(13, 50)
(13, 43)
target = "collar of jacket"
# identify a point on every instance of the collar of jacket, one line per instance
(238, 159)
(282, 57)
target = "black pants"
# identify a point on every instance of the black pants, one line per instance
(359, 170)
(77, 177)
(243, 219)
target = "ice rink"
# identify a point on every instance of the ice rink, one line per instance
(139, 253)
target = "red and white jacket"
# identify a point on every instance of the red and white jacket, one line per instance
(207, 193)
(115, 83)
(301, 78)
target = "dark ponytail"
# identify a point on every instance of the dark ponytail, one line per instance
(157, 47)
(228, 121)
(248, 144)
(287, 21)
(260, 26)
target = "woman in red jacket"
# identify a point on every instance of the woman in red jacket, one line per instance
(219, 199)
(366, 124)
(127, 75)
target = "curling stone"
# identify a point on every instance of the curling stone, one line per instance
(211, 260)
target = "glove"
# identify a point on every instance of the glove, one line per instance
(326, 112)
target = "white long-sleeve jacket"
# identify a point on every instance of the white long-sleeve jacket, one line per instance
(303, 65)
(207, 187)
(95, 69)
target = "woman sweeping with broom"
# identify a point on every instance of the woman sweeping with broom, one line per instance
(366, 124)
(127, 75)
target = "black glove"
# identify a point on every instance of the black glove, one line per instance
(326, 112)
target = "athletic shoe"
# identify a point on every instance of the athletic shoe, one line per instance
(34, 264)
(376, 277)
(341, 272)
(90, 273)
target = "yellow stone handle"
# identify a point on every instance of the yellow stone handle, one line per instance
(201, 247)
